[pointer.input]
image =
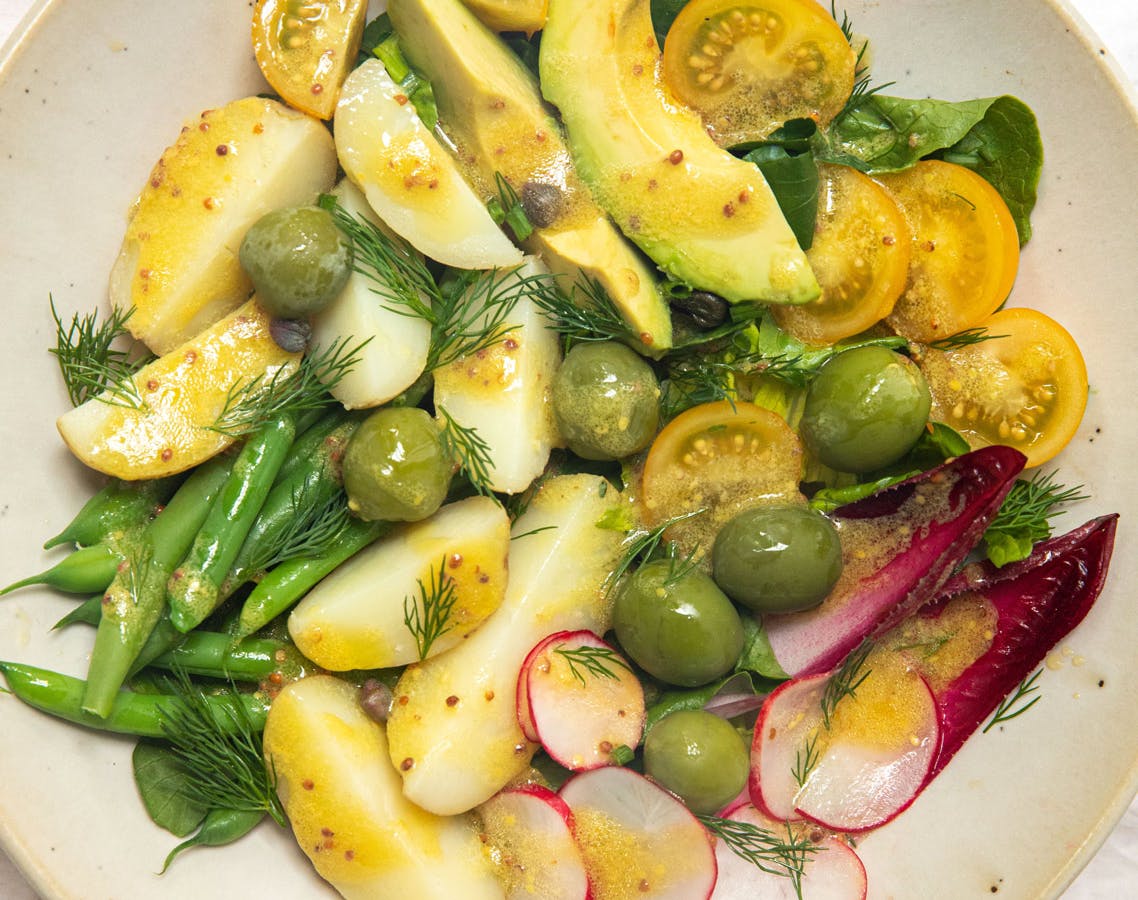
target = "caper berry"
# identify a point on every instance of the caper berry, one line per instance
(542, 203)
(699, 757)
(395, 467)
(777, 558)
(297, 259)
(606, 401)
(865, 409)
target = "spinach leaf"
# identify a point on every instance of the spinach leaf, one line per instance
(165, 789)
(997, 137)
(664, 13)
(791, 173)
(757, 655)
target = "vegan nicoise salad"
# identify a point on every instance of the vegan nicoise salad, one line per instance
(607, 468)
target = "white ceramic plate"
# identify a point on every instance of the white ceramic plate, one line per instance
(94, 92)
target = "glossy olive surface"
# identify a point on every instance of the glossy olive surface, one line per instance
(777, 559)
(606, 401)
(699, 757)
(298, 260)
(865, 409)
(677, 625)
(395, 467)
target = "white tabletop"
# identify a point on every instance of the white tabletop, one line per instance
(1113, 873)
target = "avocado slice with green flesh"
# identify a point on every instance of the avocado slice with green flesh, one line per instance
(491, 107)
(704, 216)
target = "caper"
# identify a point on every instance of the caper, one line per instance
(543, 203)
(291, 335)
(705, 309)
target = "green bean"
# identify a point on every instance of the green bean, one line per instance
(133, 603)
(195, 588)
(215, 655)
(283, 587)
(308, 443)
(86, 613)
(84, 571)
(128, 713)
(119, 506)
(220, 827)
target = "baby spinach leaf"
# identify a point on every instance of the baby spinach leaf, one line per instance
(664, 13)
(165, 789)
(757, 655)
(792, 175)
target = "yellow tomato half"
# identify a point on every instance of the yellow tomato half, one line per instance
(965, 249)
(1025, 387)
(860, 257)
(306, 48)
(748, 67)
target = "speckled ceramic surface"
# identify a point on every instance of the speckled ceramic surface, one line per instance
(92, 94)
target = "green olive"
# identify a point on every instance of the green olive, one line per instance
(865, 409)
(297, 259)
(395, 466)
(606, 401)
(777, 559)
(699, 757)
(676, 624)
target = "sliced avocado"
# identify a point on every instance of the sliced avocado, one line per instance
(491, 107)
(704, 216)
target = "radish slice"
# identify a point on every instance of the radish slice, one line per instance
(637, 839)
(528, 832)
(525, 720)
(862, 766)
(583, 700)
(833, 871)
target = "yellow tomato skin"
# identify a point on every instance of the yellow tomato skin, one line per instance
(306, 48)
(750, 67)
(860, 257)
(1026, 387)
(965, 249)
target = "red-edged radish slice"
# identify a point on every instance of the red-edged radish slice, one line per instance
(862, 766)
(528, 832)
(832, 870)
(525, 720)
(584, 700)
(637, 839)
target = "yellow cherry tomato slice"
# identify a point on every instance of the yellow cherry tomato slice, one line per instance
(1026, 389)
(860, 257)
(306, 48)
(965, 249)
(721, 459)
(748, 67)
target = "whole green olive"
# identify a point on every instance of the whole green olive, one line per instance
(606, 400)
(395, 466)
(676, 624)
(777, 559)
(865, 409)
(699, 757)
(297, 259)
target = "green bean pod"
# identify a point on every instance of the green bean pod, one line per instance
(312, 485)
(195, 586)
(215, 655)
(138, 714)
(84, 571)
(89, 612)
(283, 587)
(308, 443)
(118, 506)
(220, 827)
(133, 603)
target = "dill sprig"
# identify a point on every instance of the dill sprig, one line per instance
(1017, 703)
(469, 451)
(693, 381)
(768, 851)
(1031, 505)
(252, 404)
(679, 565)
(845, 682)
(966, 338)
(312, 530)
(587, 314)
(428, 618)
(90, 363)
(862, 87)
(507, 209)
(595, 661)
(642, 544)
(224, 760)
(805, 759)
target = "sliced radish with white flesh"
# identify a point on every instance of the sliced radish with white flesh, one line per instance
(525, 720)
(637, 839)
(831, 870)
(583, 700)
(849, 750)
(528, 832)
